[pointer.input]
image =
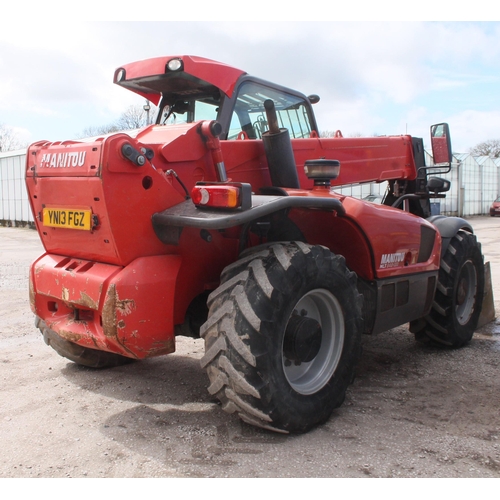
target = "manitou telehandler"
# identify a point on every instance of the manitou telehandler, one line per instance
(221, 220)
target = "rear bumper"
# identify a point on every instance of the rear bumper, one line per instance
(126, 310)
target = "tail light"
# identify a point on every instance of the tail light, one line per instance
(227, 195)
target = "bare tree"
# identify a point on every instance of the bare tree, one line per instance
(327, 134)
(487, 148)
(95, 131)
(9, 139)
(134, 116)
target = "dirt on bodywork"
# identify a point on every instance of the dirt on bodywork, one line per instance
(412, 411)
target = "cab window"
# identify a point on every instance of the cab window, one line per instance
(183, 111)
(249, 117)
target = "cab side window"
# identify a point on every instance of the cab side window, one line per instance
(249, 117)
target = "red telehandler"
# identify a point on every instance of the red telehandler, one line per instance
(221, 220)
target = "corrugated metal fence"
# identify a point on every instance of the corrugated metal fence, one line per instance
(475, 183)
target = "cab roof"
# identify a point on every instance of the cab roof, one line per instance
(178, 75)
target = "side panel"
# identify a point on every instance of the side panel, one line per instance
(403, 300)
(378, 242)
(401, 243)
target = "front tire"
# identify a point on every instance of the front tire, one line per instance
(459, 295)
(283, 336)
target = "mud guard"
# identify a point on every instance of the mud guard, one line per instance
(448, 227)
(169, 223)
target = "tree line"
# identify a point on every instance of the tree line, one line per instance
(133, 117)
(9, 139)
(489, 148)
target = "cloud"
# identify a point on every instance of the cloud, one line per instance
(470, 127)
(373, 77)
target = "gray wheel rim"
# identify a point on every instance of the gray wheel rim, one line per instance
(466, 292)
(310, 377)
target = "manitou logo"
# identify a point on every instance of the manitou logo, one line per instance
(391, 259)
(63, 160)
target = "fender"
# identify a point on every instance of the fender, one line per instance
(169, 223)
(448, 227)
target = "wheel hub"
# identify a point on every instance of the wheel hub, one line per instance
(313, 341)
(466, 293)
(302, 339)
(462, 291)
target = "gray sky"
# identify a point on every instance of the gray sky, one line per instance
(383, 77)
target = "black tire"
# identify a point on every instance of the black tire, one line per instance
(84, 356)
(459, 295)
(283, 336)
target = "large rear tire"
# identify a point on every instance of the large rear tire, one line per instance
(459, 295)
(84, 356)
(283, 336)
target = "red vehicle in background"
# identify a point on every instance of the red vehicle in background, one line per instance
(495, 207)
(221, 220)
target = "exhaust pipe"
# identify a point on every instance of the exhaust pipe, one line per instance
(279, 152)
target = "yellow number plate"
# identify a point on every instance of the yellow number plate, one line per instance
(69, 218)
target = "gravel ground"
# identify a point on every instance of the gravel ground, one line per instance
(411, 412)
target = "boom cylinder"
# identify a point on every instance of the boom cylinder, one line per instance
(211, 131)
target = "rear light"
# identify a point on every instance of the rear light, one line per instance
(210, 196)
(229, 196)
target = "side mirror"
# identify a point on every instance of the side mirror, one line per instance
(441, 144)
(438, 185)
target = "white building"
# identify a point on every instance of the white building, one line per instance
(14, 205)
